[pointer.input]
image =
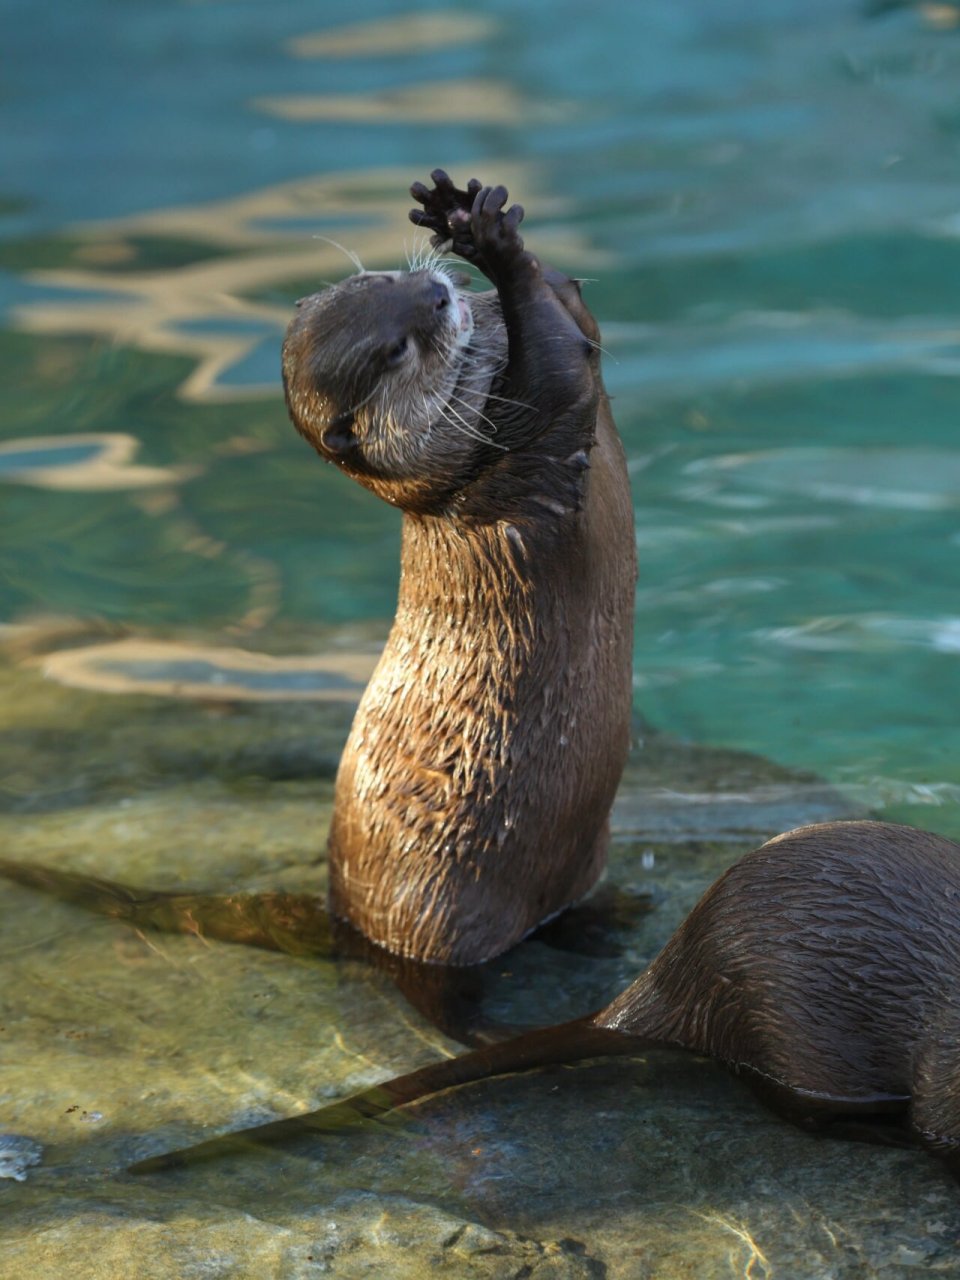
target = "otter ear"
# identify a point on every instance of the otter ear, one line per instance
(337, 437)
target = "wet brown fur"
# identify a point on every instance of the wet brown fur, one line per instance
(474, 791)
(823, 967)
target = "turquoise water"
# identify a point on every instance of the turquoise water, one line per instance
(765, 199)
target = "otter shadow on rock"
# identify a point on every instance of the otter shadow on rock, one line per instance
(451, 998)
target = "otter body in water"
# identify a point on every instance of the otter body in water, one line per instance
(473, 796)
(474, 792)
(824, 967)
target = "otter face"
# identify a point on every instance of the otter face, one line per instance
(379, 378)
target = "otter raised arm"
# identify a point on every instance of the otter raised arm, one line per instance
(473, 796)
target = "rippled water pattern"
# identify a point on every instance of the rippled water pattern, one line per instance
(765, 200)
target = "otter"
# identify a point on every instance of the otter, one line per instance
(473, 795)
(823, 968)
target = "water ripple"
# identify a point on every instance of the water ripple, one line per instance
(167, 669)
(861, 633)
(86, 461)
(771, 347)
(920, 479)
(754, 813)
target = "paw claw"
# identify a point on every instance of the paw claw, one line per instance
(471, 221)
(495, 199)
(513, 217)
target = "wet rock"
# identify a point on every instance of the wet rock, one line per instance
(392, 1236)
(648, 1169)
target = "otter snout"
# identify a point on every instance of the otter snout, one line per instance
(431, 296)
(439, 294)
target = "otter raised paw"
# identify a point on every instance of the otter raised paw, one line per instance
(471, 222)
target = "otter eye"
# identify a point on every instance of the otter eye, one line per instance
(396, 353)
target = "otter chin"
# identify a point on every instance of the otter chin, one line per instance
(473, 795)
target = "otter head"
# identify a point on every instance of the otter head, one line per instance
(380, 378)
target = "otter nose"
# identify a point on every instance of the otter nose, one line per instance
(427, 295)
(439, 295)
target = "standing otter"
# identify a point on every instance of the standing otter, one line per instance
(473, 796)
(824, 967)
(474, 792)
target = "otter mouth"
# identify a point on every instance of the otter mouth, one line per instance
(464, 315)
(456, 308)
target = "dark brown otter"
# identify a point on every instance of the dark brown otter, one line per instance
(473, 796)
(823, 967)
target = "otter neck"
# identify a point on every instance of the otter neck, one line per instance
(483, 580)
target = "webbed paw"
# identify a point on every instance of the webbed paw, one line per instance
(446, 212)
(470, 221)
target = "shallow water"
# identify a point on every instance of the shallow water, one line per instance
(764, 198)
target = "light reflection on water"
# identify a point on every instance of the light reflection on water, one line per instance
(780, 333)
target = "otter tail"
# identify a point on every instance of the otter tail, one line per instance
(567, 1042)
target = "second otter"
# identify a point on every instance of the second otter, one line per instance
(473, 796)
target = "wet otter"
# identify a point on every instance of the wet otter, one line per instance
(823, 967)
(473, 796)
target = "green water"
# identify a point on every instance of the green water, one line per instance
(764, 197)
